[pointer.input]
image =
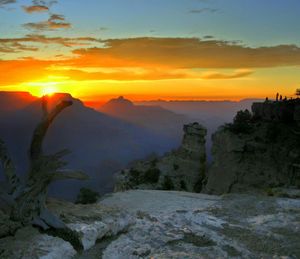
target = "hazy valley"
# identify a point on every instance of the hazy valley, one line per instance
(105, 141)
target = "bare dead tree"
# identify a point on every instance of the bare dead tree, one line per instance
(28, 200)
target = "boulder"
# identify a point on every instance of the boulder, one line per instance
(92, 222)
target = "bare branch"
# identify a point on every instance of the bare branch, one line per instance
(45, 105)
(61, 154)
(29, 207)
(41, 129)
(47, 220)
(9, 169)
(51, 220)
(69, 174)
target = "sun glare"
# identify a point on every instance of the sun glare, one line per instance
(48, 90)
(43, 88)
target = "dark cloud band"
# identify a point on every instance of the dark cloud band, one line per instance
(5, 2)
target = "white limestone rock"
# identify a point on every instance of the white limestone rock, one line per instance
(90, 233)
(92, 222)
(188, 225)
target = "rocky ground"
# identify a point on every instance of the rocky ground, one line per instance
(164, 224)
(186, 225)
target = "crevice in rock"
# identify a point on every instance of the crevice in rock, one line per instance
(68, 235)
(97, 250)
(191, 238)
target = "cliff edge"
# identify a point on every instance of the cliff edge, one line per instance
(259, 150)
(181, 169)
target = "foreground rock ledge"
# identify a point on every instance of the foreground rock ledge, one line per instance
(91, 222)
(164, 224)
(187, 225)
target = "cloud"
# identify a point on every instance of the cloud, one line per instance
(103, 29)
(14, 45)
(47, 3)
(25, 70)
(203, 10)
(29, 69)
(5, 2)
(145, 59)
(35, 9)
(208, 37)
(57, 17)
(55, 21)
(149, 74)
(185, 53)
(122, 75)
(67, 42)
(236, 74)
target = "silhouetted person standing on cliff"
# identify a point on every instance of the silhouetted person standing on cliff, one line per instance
(277, 96)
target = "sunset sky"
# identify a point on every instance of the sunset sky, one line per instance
(151, 49)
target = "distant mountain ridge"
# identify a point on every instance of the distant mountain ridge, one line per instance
(153, 118)
(202, 108)
(99, 143)
(211, 114)
(117, 103)
(105, 141)
(10, 101)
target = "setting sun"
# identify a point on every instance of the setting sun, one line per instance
(43, 88)
(48, 90)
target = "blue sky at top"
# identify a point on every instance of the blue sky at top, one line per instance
(254, 22)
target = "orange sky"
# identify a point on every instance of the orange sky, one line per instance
(57, 55)
(159, 71)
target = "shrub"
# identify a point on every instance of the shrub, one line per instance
(154, 162)
(241, 122)
(152, 175)
(87, 196)
(175, 167)
(198, 186)
(134, 176)
(242, 117)
(269, 192)
(168, 184)
(183, 185)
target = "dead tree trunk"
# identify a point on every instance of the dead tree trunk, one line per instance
(28, 200)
